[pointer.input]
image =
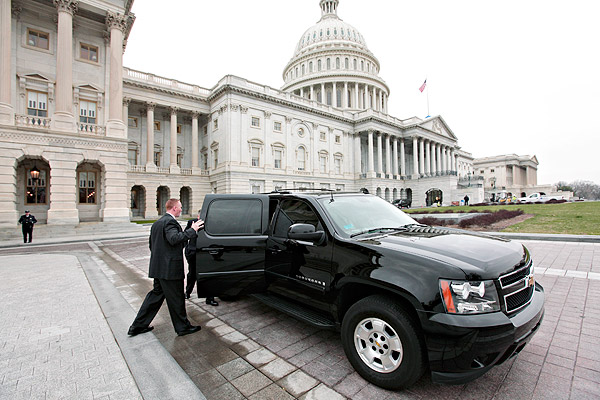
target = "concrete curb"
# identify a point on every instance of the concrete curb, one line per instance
(156, 373)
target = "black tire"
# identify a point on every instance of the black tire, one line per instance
(392, 354)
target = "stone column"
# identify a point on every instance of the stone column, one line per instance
(374, 98)
(126, 102)
(438, 159)
(379, 154)
(301, 92)
(312, 92)
(7, 111)
(444, 160)
(323, 94)
(356, 95)
(388, 159)
(195, 141)
(427, 159)
(117, 24)
(345, 96)
(395, 155)
(334, 95)
(63, 190)
(365, 91)
(421, 157)
(432, 159)
(63, 118)
(402, 158)
(357, 154)
(415, 157)
(173, 167)
(150, 167)
(370, 154)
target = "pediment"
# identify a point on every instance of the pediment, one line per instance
(439, 126)
(36, 76)
(88, 86)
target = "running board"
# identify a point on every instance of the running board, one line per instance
(295, 310)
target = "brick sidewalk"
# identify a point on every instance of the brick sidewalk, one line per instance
(54, 339)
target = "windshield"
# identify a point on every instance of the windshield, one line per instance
(363, 213)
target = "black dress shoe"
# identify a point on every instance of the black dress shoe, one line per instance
(211, 302)
(137, 330)
(187, 331)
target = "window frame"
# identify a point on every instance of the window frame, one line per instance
(254, 119)
(44, 173)
(88, 119)
(87, 188)
(276, 124)
(88, 47)
(37, 110)
(35, 46)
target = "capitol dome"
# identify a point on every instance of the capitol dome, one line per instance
(333, 65)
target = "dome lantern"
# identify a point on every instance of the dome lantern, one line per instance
(329, 8)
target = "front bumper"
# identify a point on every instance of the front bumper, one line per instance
(464, 347)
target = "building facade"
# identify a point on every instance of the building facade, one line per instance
(85, 139)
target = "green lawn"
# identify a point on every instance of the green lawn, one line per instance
(579, 218)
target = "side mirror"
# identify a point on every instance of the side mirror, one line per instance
(305, 232)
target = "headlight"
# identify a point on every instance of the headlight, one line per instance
(469, 297)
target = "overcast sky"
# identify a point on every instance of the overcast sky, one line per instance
(510, 76)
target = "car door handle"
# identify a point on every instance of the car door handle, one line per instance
(213, 250)
(275, 251)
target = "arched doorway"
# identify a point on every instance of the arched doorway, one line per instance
(434, 196)
(33, 187)
(387, 194)
(138, 201)
(162, 195)
(88, 191)
(378, 192)
(394, 194)
(184, 197)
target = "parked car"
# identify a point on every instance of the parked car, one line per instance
(406, 297)
(535, 197)
(402, 203)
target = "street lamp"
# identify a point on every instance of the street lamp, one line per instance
(35, 173)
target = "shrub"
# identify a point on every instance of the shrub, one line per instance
(490, 218)
(431, 221)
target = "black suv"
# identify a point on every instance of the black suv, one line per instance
(402, 203)
(405, 296)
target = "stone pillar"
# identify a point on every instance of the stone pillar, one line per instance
(370, 154)
(374, 98)
(402, 158)
(415, 157)
(388, 159)
(356, 95)
(365, 91)
(395, 155)
(421, 157)
(173, 167)
(444, 160)
(379, 154)
(334, 95)
(345, 96)
(427, 159)
(312, 92)
(301, 92)
(63, 191)
(357, 154)
(323, 94)
(126, 102)
(150, 167)
(63, 118)
(117, 24)
(438, 159)
(195, 141)
(9, 215)
(151, 212)
(432, 159)
(7, 111)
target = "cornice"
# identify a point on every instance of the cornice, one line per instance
(64, 140)
(164, 90)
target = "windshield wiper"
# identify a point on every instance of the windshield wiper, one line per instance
(415, 225)
(373, 230)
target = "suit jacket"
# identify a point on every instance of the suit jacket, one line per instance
(166, 248)
(190, 248)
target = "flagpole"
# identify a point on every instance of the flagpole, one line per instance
(428, 115)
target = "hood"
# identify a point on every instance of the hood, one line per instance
(479, 256)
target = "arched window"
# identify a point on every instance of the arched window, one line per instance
(338, 95)
(337, 63)
(302, 69)
(355, 64)
(328, 63)
(318, 65)
(346, 63)
(310, 67)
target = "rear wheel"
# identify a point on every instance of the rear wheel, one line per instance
(382, 343)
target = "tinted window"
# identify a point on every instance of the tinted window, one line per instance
(234, 217)
(294, 212)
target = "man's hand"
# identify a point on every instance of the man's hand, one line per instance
(197, 225)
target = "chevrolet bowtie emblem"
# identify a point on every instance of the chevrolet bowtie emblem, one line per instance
(530, 280)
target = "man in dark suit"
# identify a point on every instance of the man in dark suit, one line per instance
(190, 256)
(27, 221)
(166, 267)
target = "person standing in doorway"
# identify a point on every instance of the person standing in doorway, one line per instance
(166, 242)
(190, 256)
(27, 221)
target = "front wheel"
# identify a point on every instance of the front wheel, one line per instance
(382, 343)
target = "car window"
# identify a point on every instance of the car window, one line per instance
(294, 212)
(234, 217)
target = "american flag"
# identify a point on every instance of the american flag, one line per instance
(423, 86)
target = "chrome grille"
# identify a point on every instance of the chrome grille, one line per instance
(517, 287)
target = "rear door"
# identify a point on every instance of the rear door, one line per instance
(230, 258)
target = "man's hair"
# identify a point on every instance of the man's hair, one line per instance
(171, 203)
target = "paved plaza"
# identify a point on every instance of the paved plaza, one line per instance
(66, 308)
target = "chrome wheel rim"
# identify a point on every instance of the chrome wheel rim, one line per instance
(378, 345)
